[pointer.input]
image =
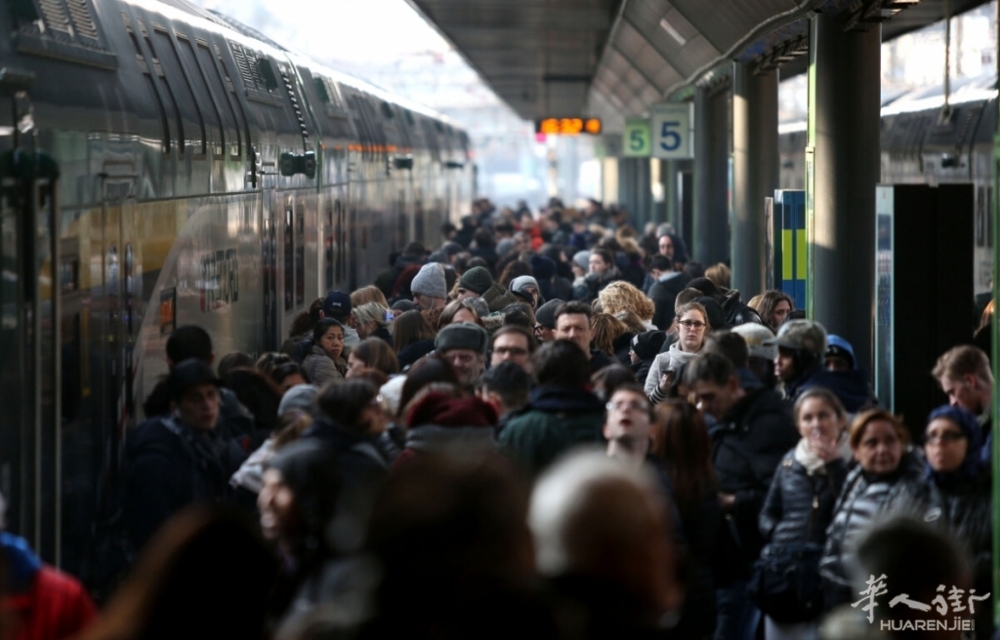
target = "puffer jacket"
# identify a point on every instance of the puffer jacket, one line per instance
(747, 446)
(321, 368)
(799, 505)
(861, 500)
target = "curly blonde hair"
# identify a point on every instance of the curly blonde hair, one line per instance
(622, 296)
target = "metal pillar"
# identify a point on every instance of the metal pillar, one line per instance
(635, 192)
(711, 175)
(755, 173)
(842, 170)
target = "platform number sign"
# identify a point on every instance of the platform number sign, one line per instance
(637, 140)
(671, 126)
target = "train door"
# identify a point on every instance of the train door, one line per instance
(29, 349)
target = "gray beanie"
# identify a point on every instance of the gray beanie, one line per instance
(582, 259)
(430, 281)
(300, 397)
(505, 246)
(482, 309)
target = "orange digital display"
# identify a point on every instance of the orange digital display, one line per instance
(568, 126)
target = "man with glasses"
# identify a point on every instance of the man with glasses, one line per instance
(629, 425)
(513, 343)
(545, 320)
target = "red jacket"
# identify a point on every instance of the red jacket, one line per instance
(56, 607)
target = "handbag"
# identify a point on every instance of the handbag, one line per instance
(786, 584)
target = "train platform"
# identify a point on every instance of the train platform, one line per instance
(272, 366)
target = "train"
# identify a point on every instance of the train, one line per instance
(920, 144)
(163, 165)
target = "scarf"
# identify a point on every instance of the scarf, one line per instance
(813, 464)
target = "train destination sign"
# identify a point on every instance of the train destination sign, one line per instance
(568, 126)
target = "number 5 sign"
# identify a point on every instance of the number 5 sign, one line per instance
(672, 126)
(636, 139)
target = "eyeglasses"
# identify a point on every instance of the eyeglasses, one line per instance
(692, 324)
(539, 328)
(945, 438)
(635, 405)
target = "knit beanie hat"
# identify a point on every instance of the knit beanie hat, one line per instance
(505, 246)
(445, 411)
(477, 279)
(481, 307)
(301, 397)
(430, 281)
(582, 259)
(519, 286)
(545, 315)
(647, 345)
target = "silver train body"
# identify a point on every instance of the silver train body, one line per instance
(919, 146)
(161, 166)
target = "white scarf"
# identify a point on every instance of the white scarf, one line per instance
(812, 462)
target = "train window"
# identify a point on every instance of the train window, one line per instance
(148, 74)
(267, 73)
(166, 50)
(206, 101)
(387, 111)
(225, 106)
(409, 116)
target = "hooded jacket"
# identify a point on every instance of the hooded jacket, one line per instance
(670, 360)
(556, 419)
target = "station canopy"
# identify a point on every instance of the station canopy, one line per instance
(615, 58)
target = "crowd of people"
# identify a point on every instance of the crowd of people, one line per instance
(554, 426)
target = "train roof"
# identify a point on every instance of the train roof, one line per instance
(235, 30)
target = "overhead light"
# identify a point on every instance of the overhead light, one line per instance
(674, 33)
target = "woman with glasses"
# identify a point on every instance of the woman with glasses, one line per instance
(956, 495)
(886, 465)
(692, 327)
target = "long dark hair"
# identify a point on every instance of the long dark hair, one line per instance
(408, 328)
(681, 441)
(377, 354)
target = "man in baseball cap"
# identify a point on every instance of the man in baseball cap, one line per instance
(337, 305)
(463, 345)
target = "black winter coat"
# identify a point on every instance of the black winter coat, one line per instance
(799, 506)
(747, 446)
(170, 466)
(664, 296)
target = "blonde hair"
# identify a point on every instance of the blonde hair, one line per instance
(371, 293)
(632, 321)
(606, 329)
(719, 274)
(622, 296)
(370, 312)
(961, 361)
